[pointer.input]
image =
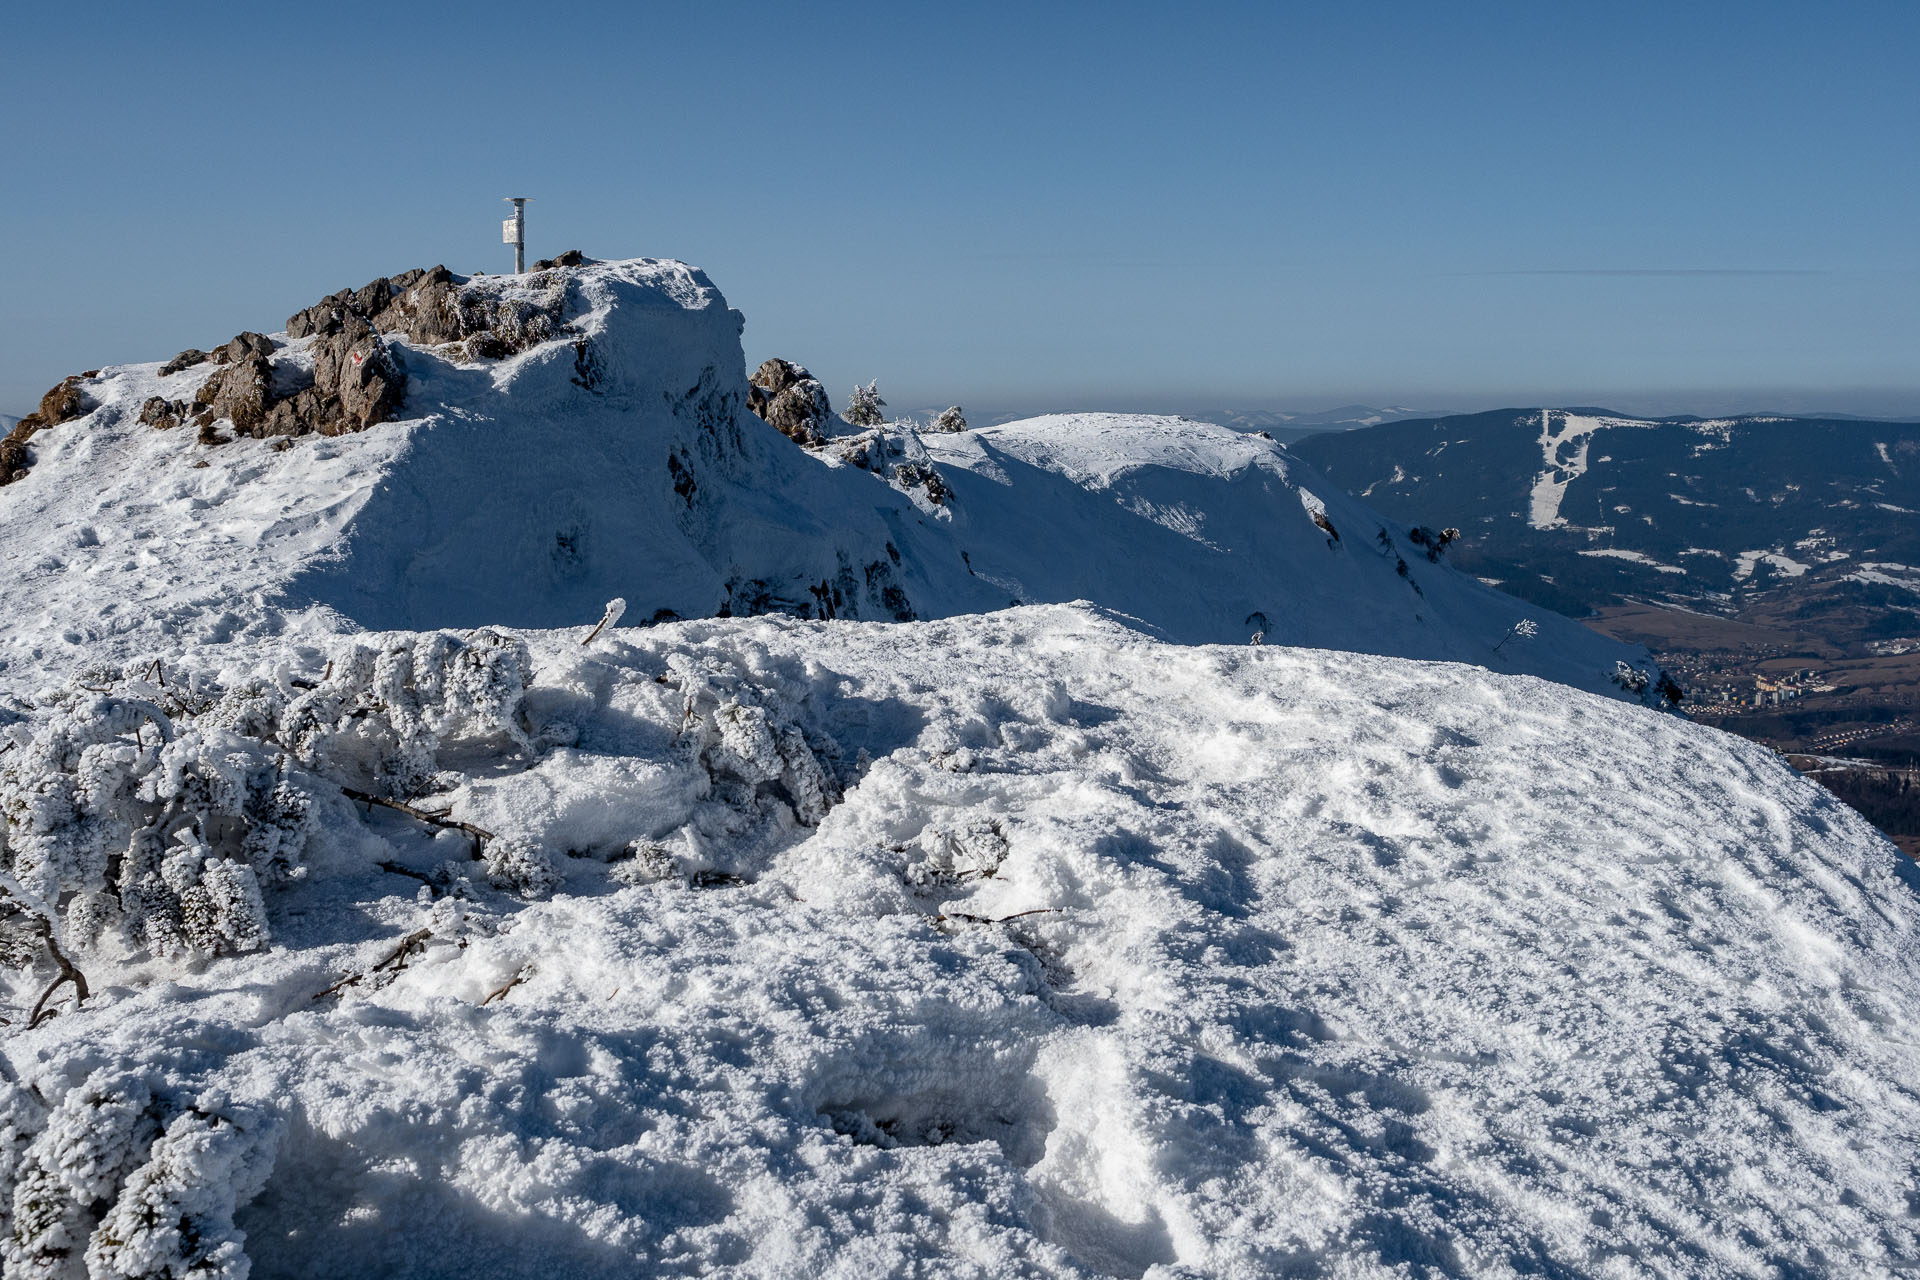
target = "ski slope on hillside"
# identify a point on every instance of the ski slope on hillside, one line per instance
(617, 460)
(1012, 945)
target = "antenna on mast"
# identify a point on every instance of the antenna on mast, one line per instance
(514, 232)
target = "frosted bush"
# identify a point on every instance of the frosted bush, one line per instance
(117, 823)
(1630, 678)
(952, 854)
(174, 1214)
(132, 1182)
(99, 1133)
(379, 719)
(746, 738)
(520, 866)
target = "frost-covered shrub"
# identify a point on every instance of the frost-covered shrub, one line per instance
(864, 406)
(950, 419)
(922, 475)
(520, 866)
(974, 848)
(119, 1180)
(68, 1175)
(116, 822)
(1630, 678)
(174, 1214)
(378, 720)
(746, 739)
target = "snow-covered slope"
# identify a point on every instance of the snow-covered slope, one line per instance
(1207, 534)
(1116, 958)
(617, 459)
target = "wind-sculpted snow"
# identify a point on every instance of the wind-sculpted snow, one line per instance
(1011, 945)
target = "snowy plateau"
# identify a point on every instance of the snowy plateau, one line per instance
(923, 876)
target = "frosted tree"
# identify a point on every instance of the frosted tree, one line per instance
(1525, 629)
(950, 420)
(864, 406)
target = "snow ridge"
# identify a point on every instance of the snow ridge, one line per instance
(616, 460)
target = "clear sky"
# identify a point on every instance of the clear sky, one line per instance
(1031, 205)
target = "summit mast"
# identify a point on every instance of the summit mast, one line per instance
(514, 232)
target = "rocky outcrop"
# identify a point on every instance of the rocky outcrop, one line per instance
(14, 458)
(64, 403)
(433, 308)
(185, 360)
(791, 401)
(354, 380)
(355, 383)
(163, 414)
(350, 379)
(240, 392)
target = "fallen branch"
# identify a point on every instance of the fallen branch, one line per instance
(68, 973)
(972, 919)
(399, 870)
(395, 959)
(518, 978)
(480, 834)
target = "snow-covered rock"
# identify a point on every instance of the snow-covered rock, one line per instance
(617, 458)
(1019, 944)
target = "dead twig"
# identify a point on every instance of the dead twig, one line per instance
(972, 919)
(614, 609)
(68, 973)
(480, 834)
(395, 960)
(499, 992)
(399, 870)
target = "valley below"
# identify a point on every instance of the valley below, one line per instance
(1842, 707)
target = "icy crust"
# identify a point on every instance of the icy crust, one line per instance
(1014, 945)
(1206, 535)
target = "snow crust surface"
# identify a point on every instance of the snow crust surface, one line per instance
(1117, 958)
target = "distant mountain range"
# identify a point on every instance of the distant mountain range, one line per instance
(1580, 508)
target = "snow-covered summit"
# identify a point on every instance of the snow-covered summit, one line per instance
(613, 456)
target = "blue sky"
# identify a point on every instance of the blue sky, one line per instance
(1024, 206)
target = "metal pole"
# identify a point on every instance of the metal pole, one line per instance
(515, 232)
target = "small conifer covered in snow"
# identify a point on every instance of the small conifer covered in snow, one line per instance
(864, 406)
